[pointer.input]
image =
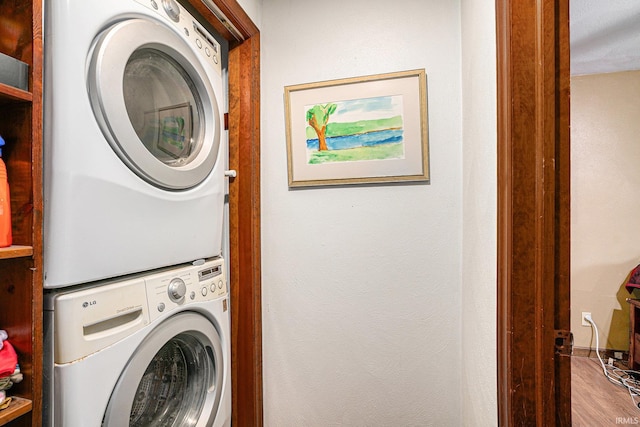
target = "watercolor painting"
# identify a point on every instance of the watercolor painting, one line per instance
(355, 130)
(359, 130)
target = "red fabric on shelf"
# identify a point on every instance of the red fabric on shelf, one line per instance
(8, 360)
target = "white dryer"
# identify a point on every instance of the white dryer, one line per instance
(152, 350)
(134, 139)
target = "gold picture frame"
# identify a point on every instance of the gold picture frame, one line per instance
(371, 129)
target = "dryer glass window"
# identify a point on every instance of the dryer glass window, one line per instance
(174, 386)
(163, 106)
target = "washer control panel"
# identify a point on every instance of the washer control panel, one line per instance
(191, 284)
(199, 38)
(92, 318)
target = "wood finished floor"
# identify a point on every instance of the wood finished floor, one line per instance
(595, 401)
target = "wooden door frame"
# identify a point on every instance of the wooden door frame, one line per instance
(244, 209)
(534, 386)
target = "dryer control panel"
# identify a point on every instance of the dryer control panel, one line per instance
(202, 41)
(191, 284)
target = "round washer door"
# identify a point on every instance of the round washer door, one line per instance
(173, 379)
(154, 102)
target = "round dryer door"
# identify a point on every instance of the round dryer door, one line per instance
(154, 102)
(173, 379)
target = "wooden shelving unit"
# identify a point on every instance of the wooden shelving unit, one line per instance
(14, 94)
(16, 409)
(16, 251)
(21, 264)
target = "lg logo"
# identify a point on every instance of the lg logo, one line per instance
(88, 303)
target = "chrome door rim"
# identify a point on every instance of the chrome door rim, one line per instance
(112, 50)
(190, 323)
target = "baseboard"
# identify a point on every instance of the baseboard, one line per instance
(605, 353)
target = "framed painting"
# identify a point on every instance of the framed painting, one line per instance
(371, 129)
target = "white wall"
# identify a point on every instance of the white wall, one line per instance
(362, 284)
(605, 220)
(373, 295)
(479, 189)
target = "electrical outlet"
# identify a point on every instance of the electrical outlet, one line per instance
(584, 321)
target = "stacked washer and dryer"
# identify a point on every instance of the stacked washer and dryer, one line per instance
(136, 299)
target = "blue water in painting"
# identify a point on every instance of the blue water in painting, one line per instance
(361, 140)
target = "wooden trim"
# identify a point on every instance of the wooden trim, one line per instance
(605, 353)
(504, 214)
(562, 281)
(37, 202)
(533, 195)
(244, 206)
(237, 16)
(234, 14)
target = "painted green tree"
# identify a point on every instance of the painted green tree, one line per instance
(318, 116)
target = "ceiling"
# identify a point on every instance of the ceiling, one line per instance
(605, 36)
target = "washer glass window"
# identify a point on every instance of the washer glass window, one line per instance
(174, 378)
(163, 106)
(174, 386)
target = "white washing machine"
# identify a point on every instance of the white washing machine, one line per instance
(135, 146)
(152, 350)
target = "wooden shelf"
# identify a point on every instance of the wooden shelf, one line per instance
(16, 251)
(17, 407)
(14, 94)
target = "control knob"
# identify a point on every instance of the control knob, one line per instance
(177, 290)
(172, 8)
